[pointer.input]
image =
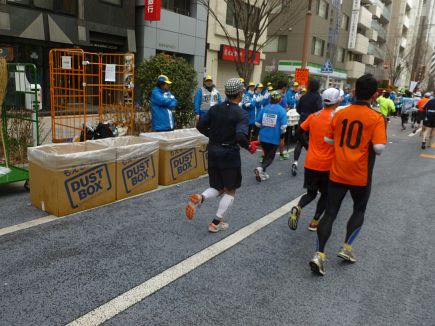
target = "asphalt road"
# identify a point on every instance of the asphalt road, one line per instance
(56, 272)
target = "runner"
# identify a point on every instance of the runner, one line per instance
(318, 160)
(357, 133)
(272, 121)
(226, 125)
(386, 105)
(282, 88)
(421, 112)
(248, 104)
(429, 124)
(407, 105)
(308, 104)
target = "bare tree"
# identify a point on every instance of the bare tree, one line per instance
(399, 64)
(250, 20)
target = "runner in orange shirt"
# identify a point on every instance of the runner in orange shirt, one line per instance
(358, 134)
(318, 160)
(421, 113)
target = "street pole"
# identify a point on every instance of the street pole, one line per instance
(306, 35)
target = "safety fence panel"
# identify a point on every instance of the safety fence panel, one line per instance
(87, 89)
(117, 90)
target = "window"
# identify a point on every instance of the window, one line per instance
(322, 8)
(277, 44)
(341, 55)
(252, 12)
(318, 47)
(182, 7)
(345, 22)
(113, 2)
(67, 7)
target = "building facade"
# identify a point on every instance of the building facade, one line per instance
(219, 63)
(30, 28)
(180, 31)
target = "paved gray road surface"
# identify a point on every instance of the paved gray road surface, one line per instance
(54, 273)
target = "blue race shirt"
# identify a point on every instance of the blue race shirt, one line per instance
(270, 120)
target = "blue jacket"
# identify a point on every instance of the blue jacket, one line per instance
(258, 100)
(162, 106)
(204, 103)
(248, 104)
(290, 97)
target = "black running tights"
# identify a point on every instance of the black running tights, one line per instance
(336, 193)
(309, 197)
(302, 141)
(269, 151)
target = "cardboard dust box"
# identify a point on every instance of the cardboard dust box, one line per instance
(180, 155)
(137, 164)
(68, 178)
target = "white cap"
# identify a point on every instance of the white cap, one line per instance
(331, 96)
(427, 94)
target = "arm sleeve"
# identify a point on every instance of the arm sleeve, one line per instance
(197, 101)
(203, 124)
(160, 99)
(298, 107)
(380, 132)
(242, 130)
(259, 118)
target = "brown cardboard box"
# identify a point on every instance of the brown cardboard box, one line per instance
(180, 157)
(203, 157)
(137, 164)
(68, 178)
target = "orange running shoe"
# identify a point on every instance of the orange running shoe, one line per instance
(194, 202)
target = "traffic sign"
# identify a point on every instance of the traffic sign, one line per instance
(327, 67)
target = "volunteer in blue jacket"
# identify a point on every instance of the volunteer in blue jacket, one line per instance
(248, 104)
(163, 104)
(290, 96)
(272, 121)
(206, 97)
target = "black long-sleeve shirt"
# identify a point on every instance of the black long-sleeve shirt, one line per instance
(226, 125)
(308, 104)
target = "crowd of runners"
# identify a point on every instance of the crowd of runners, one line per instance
(342, 131)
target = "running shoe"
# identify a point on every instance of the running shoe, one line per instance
(347, 255)
(313, 225)
(265, 176)
(213, 228)
(423, 145)
(317, 264)
(284, 157)
(293, 220)
(294, 169)
(194, 203)
(258, 174)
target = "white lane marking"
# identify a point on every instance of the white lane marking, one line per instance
(412, 134)
(51, 218)
(126, 300)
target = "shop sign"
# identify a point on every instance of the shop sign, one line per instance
(230, 53)
(301, 76)
(152, 9)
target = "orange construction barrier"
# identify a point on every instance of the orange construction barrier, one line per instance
(89, 88)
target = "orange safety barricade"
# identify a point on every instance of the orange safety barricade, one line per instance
(89, 88)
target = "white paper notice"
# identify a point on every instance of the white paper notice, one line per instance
(66, 62)
(110, 73)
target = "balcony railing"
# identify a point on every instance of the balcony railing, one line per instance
(382, 33)
(376, 51)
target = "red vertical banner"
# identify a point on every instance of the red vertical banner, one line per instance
(152, 9)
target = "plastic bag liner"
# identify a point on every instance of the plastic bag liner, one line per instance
(129, 147)
(177, 139)
(65, 156)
